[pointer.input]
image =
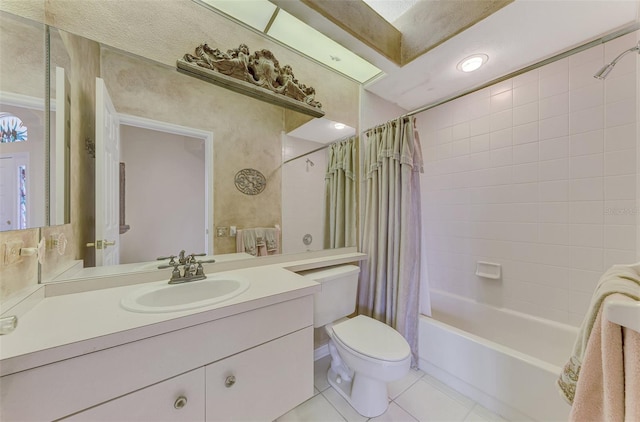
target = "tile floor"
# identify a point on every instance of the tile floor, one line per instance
(417, 397)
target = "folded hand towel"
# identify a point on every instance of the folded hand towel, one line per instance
(271, 240)
(609, 373)
(249, 241)
(621, 279)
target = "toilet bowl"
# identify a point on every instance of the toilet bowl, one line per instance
(366, 354)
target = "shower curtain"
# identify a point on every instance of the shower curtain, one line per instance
(340, 195)
(390, 278)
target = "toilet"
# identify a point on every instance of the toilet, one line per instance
(366, 354)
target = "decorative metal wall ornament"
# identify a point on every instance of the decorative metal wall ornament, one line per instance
(250, 181)
(258, 75)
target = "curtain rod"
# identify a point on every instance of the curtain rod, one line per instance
(319, 149)
(616, 34)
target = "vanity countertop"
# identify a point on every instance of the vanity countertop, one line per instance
(68, 325)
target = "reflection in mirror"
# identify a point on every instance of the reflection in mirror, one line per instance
(22, 123)
(139, 74)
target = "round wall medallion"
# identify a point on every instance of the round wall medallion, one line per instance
(250, 181)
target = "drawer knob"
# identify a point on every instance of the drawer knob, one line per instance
(180, 402)
(229, 381)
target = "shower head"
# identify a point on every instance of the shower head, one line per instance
(607, 68)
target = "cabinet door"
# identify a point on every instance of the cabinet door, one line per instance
(177, 399)
(262, 383)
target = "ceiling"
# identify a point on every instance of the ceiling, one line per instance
(514, 36)
(520, 34)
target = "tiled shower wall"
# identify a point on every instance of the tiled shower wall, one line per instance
(537, 173)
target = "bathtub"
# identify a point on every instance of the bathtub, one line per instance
(505, 360)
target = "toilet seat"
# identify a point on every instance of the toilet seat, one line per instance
(371, 338)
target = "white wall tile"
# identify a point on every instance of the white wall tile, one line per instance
(480, 143)
(621, 112)
(526, 153)
(554, 106)
(588, 96)
(620, 86)
(620, 187)
(587, 120)
(618, 257)
(620, 212)
(551, 69)
(554, 84)
(554, 148)
(586, 212)
(619, 162)
(460, 147)
(554, 127)
(590, 189)
(587, 258)
(587, 166)
(444, 135)
(525, 173)
(587, 235)
(526, 93)
(620, 137)
(539, 173)
(619, 237)
(460, 131)
(501, 138)
(525, 133)
(502, 120)
(554, 169)
(554, 233)
(501, 87)
(501, 157)
(502, 101)
(526, 114)
(587, 143)
(556, 191)
(553, 212)
(582, 75)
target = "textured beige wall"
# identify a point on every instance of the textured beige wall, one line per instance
(23, 273)
(30, 9)
(246, 131)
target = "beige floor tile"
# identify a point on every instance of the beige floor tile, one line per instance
(316, 409)
(320, 368)
(397, 387)
(482, 414)
(343, 407)
(427, 403)
(394, 414)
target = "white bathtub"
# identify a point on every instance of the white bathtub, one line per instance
(507, 361)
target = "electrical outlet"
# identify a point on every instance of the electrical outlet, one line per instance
(222, 231)
(12, 252)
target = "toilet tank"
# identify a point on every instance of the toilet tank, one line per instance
(337, 298)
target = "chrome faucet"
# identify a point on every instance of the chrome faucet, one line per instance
(192, 269)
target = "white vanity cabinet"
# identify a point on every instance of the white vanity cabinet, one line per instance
(177, 399)
(268, 351)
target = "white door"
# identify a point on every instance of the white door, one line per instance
(60, 153)
(107, 178)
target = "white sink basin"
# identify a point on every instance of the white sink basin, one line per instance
(157, 298)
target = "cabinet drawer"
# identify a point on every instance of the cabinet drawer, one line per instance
(268, 380)
(177, 399)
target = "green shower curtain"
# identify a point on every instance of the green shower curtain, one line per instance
(390, 278)
(340, 195)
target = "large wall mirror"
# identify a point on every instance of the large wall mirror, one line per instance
(182, 140)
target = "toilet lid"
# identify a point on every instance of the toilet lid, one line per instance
(372, 338)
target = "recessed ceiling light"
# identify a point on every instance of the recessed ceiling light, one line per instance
(472, 63)
(339, 126)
